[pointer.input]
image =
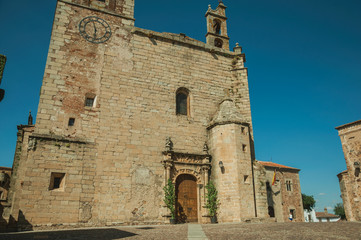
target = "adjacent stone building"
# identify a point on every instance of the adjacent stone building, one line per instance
(350, 180)
(284, 197)
(2, 66)
(5, 176)
(124, 109)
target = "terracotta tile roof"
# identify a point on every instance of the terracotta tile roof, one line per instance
(325, 215)
(276, 165)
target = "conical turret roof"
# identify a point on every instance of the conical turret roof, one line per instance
(227, 113)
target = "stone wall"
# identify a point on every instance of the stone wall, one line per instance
(350, 180)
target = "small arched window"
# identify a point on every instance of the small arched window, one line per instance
(217, 26)
(218, 43)
(182, 101)
(90, 100)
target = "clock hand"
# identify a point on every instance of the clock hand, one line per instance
(95, 31)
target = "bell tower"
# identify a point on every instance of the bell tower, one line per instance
(217, 26)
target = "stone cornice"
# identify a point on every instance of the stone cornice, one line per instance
(215, 15)
(342, 173)
(227, 122)
(192, 155)
(283, 168)
(26, 127)
(348, 125)
(59, 138)
(98, 10)
(184, 40)
(217, 35)
(191, 163)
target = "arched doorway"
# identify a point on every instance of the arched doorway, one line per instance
(186, 199)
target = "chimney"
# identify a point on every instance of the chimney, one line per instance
(326, 210)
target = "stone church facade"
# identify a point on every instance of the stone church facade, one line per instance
(350, 180)
(124, 109)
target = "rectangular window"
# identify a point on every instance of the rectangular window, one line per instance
(57, 181)
(246, 179)
(89, 102)
(288, 185)
(244, 148)
(71, 122)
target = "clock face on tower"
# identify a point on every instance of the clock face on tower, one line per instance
(95, 29)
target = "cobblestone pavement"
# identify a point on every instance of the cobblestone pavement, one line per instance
(132, 233)
(280, 231)
(274, 231)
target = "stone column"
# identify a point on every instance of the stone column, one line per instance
(167, 163)
(206, 177)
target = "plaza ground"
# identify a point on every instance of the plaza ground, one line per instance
(274, 231)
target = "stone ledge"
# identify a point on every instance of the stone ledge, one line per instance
(194, 155)
(60, 138)
(190, 42)
(227, 122)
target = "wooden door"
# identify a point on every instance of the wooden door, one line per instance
(186, 199)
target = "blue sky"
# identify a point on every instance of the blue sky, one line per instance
(304, 64)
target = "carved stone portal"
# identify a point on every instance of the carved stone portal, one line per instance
(177, 164)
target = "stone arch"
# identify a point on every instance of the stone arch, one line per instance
(191, 172)
(217, 26)
(218, 43)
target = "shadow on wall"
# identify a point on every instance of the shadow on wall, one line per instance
(89, 234)
(270, 202)
(14, 226)
(3, 222)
